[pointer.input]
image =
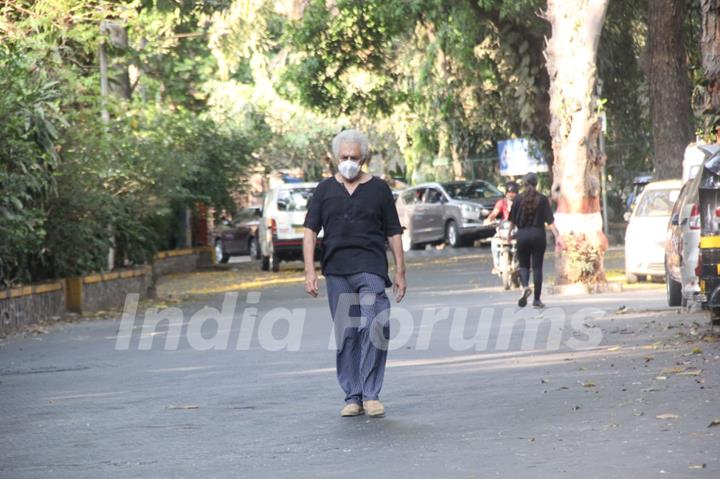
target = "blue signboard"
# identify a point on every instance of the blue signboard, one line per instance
(520, 156)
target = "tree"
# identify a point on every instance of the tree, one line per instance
(68, 182)
(575, 128)
(669, 86)
(462, 74)
(623, 45)
(710, 50)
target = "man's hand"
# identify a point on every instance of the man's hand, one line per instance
(311, 283)
(559, 244)
(399, 286)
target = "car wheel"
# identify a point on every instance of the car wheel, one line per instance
(254, 248)
(674, 292)
(715, 316)
(631, 278)
(452, 235)
(274, 261)
(220, 255)
(265, 263)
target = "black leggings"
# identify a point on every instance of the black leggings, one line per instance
(531, 244)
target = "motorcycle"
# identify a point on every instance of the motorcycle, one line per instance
(508, 268)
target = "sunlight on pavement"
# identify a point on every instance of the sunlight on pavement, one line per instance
(510, 359)
(215, 282)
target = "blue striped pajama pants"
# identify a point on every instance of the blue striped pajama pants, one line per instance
(361, 312)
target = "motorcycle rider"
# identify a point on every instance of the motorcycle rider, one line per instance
(501, 210)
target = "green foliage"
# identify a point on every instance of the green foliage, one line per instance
(344, 53)
(28, 157)
(459, 75)
(629, 143)
(221, 89)
(73, 186)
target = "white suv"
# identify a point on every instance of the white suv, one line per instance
(281, 228)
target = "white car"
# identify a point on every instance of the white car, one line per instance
(281, 228)
(646, 230)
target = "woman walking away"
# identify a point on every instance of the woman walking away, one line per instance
(530, 213)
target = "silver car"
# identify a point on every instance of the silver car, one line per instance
(682, 246)
(453, 212)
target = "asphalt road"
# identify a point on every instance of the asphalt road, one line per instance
(635, 401)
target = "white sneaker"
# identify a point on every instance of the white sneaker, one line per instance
(374, 408)
(352, 409)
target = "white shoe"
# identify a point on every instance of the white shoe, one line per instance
(374, 408)
(352, 409)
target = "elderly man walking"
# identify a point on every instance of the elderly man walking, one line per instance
(357, 214)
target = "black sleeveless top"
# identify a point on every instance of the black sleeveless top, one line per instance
(543, 213)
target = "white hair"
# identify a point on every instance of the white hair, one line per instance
(351, 136)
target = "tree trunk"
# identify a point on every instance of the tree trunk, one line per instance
(443, 164)
(575, 128)
(118, 37)
(540, 130)
(669, 86)
(710, 49)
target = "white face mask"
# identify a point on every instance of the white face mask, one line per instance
(349, 169)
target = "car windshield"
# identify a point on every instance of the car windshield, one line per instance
(478, 190)
(657, 203)
(295, 199)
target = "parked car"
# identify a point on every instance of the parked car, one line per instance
(281, 228)
(647, 230)
(639, 183)
(239, 236)
(452, 212)
(708, 269)
(682, 246)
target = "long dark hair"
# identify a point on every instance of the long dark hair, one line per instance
(529, 200)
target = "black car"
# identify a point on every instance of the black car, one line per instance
(238, 237)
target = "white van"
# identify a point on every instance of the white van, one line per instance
(695, 156)
(281, 229)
